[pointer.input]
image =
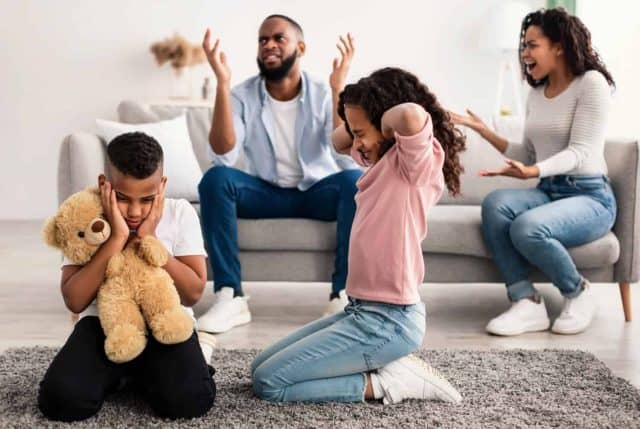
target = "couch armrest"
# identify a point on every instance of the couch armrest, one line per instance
(623, 158)
(81, 159)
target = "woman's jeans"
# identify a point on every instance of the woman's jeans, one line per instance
(536, 226)
(326, 360)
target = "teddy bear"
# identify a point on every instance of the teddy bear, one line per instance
(136, 293)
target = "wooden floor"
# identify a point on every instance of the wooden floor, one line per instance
(32, 311)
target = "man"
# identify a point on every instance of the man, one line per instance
(282, 119)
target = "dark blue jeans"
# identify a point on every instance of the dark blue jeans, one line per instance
(227, 194)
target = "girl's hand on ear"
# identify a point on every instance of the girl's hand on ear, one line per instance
(342, 140)
(513, 169)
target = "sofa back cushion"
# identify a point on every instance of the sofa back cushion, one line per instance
(480, 155)
(198, 122)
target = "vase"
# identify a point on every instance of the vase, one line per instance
(180, 83)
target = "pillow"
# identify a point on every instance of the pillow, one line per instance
(180, 164)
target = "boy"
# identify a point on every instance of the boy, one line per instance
(174, 378)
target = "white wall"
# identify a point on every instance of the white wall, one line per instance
(65, 63)
(616, 35)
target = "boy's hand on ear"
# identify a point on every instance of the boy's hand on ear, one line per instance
(149, 225)
(119, 228)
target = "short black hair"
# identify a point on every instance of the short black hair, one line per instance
(135, 154)
(289, 20)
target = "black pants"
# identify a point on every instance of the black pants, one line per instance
(175, 379)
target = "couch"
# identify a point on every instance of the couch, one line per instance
(303, 250)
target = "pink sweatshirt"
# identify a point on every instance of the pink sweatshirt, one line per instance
(393, 198)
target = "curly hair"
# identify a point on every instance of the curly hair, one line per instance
(391, 86)
(135, 154)
(573, 36)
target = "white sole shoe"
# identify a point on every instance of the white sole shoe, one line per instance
(336, 305)
(577, 313)
(533, 326)
(523, 316)
(226, 313)
(221, 327)
(412, 378)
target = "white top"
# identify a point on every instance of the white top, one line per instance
(178, 230)
(565, 134)
(284, 144)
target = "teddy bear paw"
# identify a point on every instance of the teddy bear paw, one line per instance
(124, 343)
(152, 251)
(115, 265)
(172, 327)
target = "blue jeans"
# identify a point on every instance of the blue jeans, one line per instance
(326, 360)
(227, 194)
(536, 226)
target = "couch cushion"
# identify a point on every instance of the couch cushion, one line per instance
(457, 230)
(452, 230)
(480, 155)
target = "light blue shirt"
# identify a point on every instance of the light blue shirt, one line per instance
(253, 123)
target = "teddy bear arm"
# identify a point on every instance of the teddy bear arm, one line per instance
(153, 251)
(122, 322)
(160, 303)
(115, 265)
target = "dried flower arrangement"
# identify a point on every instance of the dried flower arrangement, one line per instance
(178, 51)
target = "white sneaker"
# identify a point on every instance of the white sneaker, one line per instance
(577, 313)
(207, 343)
(524, 315)
(336, 305)
(412, 378)
(227, 312)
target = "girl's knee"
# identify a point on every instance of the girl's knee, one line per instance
(263, 386)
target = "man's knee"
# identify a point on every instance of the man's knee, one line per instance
(215, 179)
(67, 400)
(348, 179)
(184, 402)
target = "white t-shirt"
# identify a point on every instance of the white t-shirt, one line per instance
(178, 230)
(287, 163)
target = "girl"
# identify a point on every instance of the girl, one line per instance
(395, 126)
(573, 203)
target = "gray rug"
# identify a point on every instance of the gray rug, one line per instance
(517, 388)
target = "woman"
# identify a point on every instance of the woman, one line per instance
(573, 204)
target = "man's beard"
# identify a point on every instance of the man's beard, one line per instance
(279, 73)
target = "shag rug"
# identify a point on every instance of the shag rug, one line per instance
(514, 389)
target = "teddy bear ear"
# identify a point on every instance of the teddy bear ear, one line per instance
(49, 232)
